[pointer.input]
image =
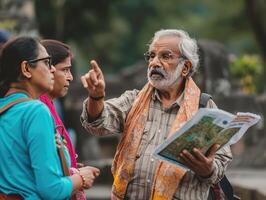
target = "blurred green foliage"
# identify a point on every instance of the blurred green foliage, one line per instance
(247, 69)
(116, 33)
(246, 65)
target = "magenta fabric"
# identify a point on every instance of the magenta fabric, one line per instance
(63, 132)
(80, 195)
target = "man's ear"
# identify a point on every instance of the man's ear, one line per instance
(25, 69)
(187, 68)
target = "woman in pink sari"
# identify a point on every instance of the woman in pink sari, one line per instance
(61, 60)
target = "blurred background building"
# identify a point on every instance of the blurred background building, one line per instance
(232, 40)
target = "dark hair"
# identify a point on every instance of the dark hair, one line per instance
(13, 53)
(59, 51)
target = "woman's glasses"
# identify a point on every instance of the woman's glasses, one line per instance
(47, 61)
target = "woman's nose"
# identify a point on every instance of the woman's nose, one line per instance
(52, 70)
(70, 76)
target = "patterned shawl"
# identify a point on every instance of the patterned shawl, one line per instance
(167, 176)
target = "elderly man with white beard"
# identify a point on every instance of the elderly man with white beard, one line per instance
(146, 117)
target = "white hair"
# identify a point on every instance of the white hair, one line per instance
(188, 47)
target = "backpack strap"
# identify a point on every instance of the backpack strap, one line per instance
(62, 157)
(5, 108)
(227, 188)
(204, 98)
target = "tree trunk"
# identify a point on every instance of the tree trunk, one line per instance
(256, 19)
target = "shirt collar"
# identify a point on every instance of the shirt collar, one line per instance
(155, 95)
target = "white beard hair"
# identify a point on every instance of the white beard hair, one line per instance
(170, 79)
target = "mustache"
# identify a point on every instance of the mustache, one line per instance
(157, 70)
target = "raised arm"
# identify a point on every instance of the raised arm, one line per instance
(94, 83)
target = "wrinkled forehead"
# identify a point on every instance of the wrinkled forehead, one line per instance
(165, 43)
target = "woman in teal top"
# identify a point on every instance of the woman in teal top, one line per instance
(29, 162)
(30, 167)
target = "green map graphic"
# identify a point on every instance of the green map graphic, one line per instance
(202, 135)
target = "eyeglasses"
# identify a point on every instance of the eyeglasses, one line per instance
(163, 56)
(47, 61)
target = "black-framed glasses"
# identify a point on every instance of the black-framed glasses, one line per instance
(47, 61)
(163, 56)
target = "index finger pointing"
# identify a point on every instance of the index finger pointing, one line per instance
(95, 67)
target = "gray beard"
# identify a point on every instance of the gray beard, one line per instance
(166, 80)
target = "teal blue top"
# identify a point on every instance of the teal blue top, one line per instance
(29, 163)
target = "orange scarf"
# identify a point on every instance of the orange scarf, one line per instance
(168, 176)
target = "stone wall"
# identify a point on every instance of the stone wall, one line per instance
(248, 194)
